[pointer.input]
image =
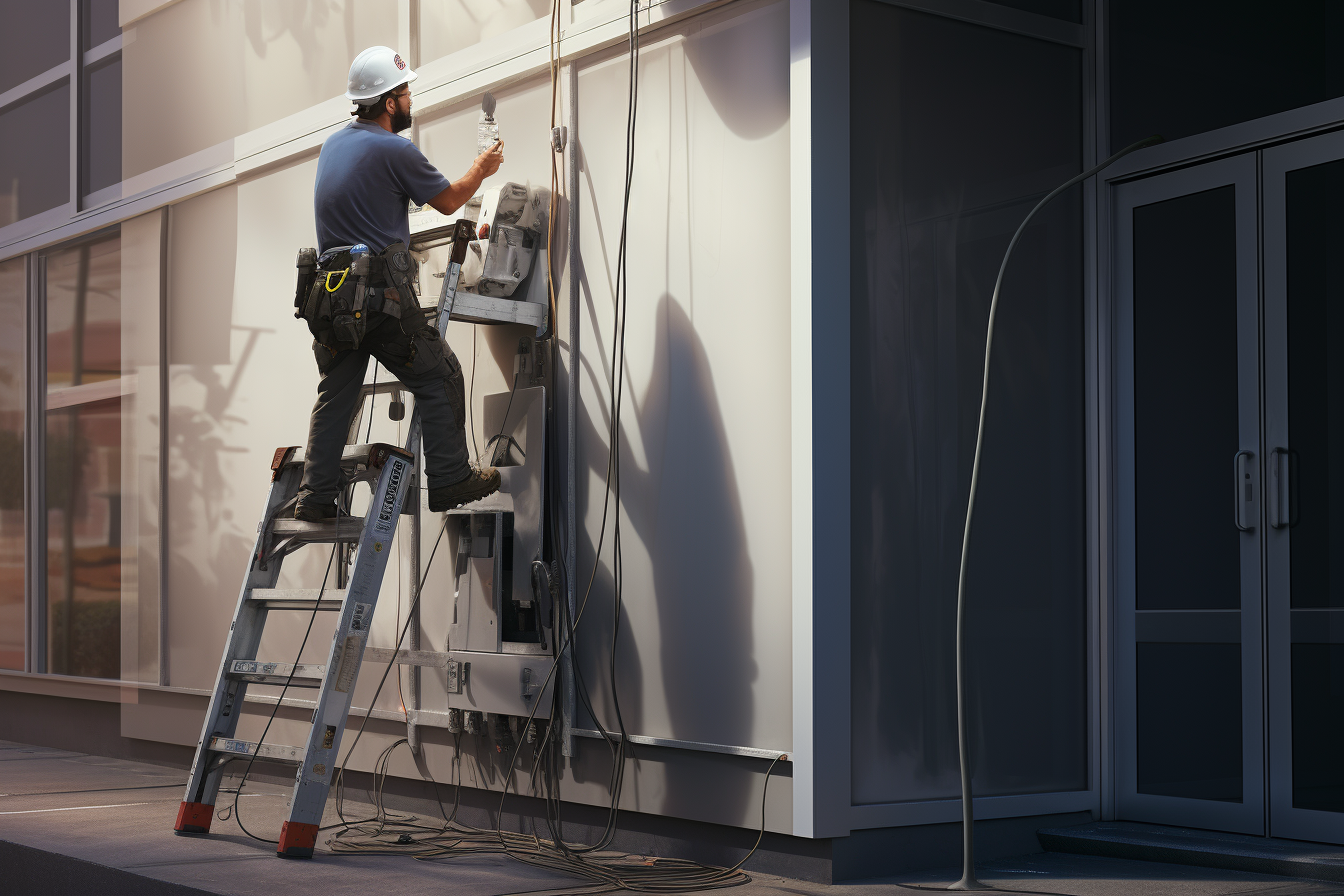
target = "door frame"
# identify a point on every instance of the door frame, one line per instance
(1284, 819)
(1239, 171)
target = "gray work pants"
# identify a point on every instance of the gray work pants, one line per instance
(426, 366)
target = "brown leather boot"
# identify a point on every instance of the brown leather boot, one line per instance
(474, 487)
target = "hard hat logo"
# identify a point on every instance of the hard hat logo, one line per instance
(396, 57)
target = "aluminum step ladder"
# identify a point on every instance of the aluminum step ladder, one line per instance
(391, 473)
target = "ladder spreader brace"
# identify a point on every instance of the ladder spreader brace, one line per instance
(391, 472)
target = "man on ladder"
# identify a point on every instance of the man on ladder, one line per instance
(366, 175)
(357, 299)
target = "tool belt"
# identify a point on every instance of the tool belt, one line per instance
(338, 292)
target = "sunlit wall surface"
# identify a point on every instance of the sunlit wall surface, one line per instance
(447, 26)
(13, 298)
(256, 62)
(957, 131)
(83, 488)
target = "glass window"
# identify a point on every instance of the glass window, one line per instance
(83, 454)
(45, 43)
(99, 22)
(100, 140)
(1184, 68)
(13, 301)
(957, 131)
(447, 26)
(35, 155)
(84, 314)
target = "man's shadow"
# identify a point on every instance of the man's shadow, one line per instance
(687, 574)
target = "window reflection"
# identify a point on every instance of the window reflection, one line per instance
(84, 314)
(13, 293)
(83, 460)
(84, 539)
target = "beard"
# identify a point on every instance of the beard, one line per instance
(400, 121)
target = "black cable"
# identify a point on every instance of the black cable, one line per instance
(968, 880)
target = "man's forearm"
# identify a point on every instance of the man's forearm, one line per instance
(459, 191)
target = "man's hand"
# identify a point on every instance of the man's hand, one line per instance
(489, 161)
(465, 187)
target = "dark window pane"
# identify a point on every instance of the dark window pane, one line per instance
(39, 39)
(1316, 385)
(13, 384)
(83, 500)
(1189, 720)
(35, 155)
(1183, 68)
(83, 486)
(99, 22)
(84, 314)
(936, 194)
(100, 162)
(1185, 403)
(1070, 10)
(1318, 726)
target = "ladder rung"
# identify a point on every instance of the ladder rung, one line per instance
(347, 529)
(297, 598)
(406, 657)
(305, 675)
(276, 752)
(351, 455)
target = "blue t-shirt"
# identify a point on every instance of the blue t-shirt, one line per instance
(366, 177)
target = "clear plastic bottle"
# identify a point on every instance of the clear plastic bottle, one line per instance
(487, 130)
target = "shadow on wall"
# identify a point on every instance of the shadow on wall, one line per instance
(686, 512)
(263, 24)
(208, 546)
(739, 79)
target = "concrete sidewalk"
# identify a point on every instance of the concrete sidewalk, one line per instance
(73, 823)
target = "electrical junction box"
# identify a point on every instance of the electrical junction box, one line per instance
(503, 623)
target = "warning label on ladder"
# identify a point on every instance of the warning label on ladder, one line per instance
(387, 512)
(349, 666)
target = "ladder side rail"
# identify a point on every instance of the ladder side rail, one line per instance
(226, 702)
(466, 232)
(312, 782)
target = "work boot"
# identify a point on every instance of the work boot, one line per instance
(474, 487)
(315, 513)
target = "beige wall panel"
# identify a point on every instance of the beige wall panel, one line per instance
(242, 385)
(204, 247)
(140, 323)
(705, 637)
(199, 72)
(181, 83)
(447, 26)
(297, 53)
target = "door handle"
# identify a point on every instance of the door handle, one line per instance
(1280, 513)
(1245, 496)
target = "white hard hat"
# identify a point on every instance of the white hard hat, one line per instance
(376, 71)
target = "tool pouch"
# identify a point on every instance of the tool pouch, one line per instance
(334, 308)
(400, 268)
(307, 268)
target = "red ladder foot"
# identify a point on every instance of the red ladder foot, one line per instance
(193, 818)
(297, 840)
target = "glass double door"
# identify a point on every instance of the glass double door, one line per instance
(1229, 612)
